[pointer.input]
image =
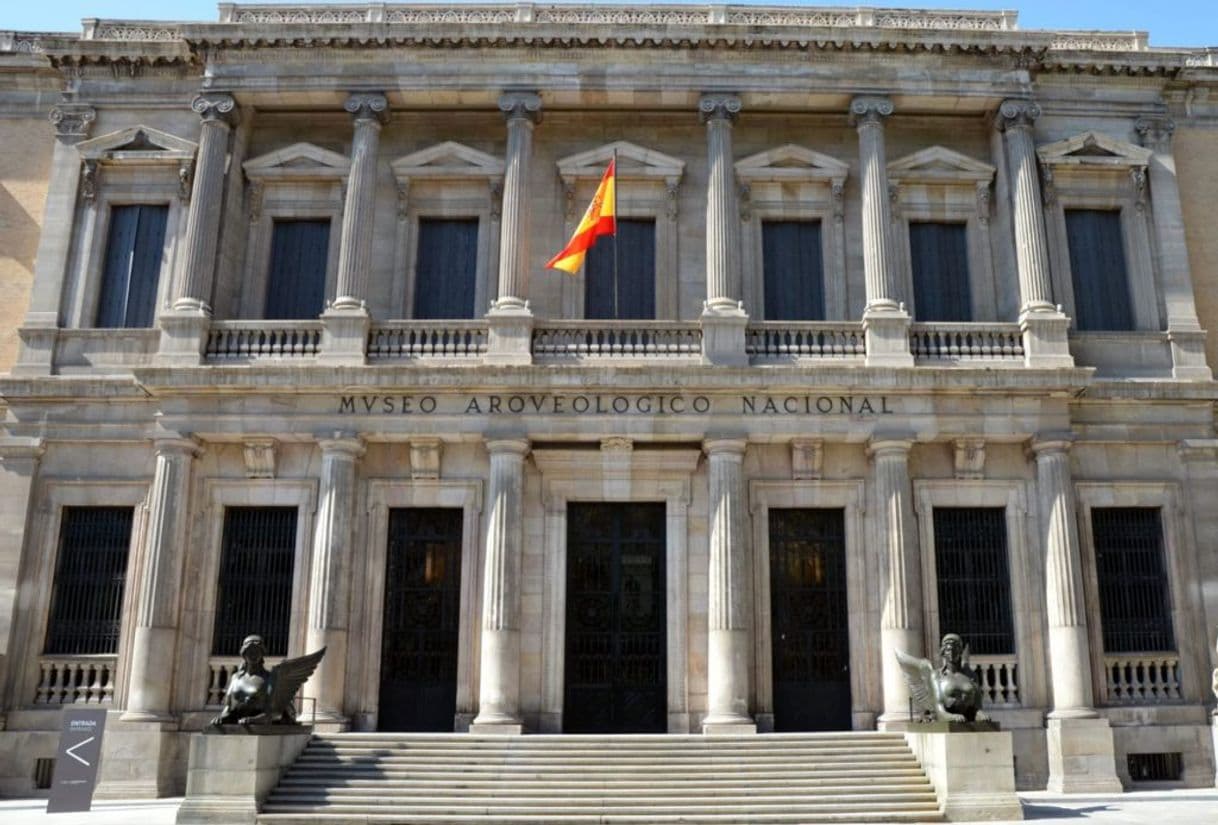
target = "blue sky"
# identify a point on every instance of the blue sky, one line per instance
(1171, 23)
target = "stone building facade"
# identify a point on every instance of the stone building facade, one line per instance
(243, 400)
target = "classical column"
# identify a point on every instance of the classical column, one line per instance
(1080, 743)
(72, 122)
(511, 322)
(330, 577)
(901, 566)
(723, 317)
(729, 647)
(499, 677)
(153, 651)
(885, 321)
(1044, 326)
(184, 327)
(1183, 329)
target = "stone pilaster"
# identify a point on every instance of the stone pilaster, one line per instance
(1183, 329)
(499, 678)
(901, 588)
(1044, 326)
(729, 646)
(329, 609)
(19, 460)
(1080, 746)
(184, 327)
(885, 321)
(510, 333)
(723, 317)
(73, 122)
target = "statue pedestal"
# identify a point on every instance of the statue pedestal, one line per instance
(973, 772)
(232, 771)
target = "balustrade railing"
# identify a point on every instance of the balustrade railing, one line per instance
(1142, 678)
(75, 680)
(999, 679)
(427, 339)
(577, 340)
(966, 342)
(250, 340)
(778, 341)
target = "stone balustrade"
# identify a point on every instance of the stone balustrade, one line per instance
(966, 342)
(1141, 679)
(75, 680)
(250, 340)
(650, 340)
(999, 679)
(405, 340)
(783, 341)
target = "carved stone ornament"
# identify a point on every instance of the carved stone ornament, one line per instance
(838, 191)
(403, 190)
(88, 181)
(870, 111)
(260, 454)
(1048, 189)
(807, 458)
(970, 458)
(671, 187)
(254, 196)
(983, 202)
(1155, 133)
(496, 187)
(186, 174)
(73, 119)
(367, 107)
(1015, 113)
(744, 200)
(718, 107)
(520, 105)
(425, 458)
(213, 108)
(1137, 177)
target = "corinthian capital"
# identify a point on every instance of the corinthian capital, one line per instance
(868, 110)
(520, 105)
(718, 107)
(1017, 113)
(367, 106)
(73, 119)
(1156, 132)
(212, 107)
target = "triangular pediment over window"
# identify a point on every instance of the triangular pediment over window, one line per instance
(1093, 149)
(791, 163)
(634, 162)
(300, 161)
(448, 161)
(938, 164)
(137, 144)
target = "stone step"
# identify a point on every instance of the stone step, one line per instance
(630, 742)
(743, 807)
(789, 818)
(417, 796)
(687, 753)
(761, 757)
(681, 783)
(641, 771)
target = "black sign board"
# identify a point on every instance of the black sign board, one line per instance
(76, 763)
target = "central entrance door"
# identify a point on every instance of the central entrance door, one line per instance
(616, 657)
(421, 620)
(809, 615)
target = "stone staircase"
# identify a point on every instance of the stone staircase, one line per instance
(434, 779)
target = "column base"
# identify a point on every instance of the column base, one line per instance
(509, 334)
(344, 337)
(1082, 757)
(496, 728)
(1188, 355)
(1046, 344)
(230, 775)
(887, 337)
(723, 329)
(183, 337)
(139, 760)
(712, 726)
(973, 773)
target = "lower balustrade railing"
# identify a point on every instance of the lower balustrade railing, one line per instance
(1141, 678)
(427, 339)
(578, 340)
(966, 342)
(252, 340)
(779, 341)
(75, 680)
(999, 679)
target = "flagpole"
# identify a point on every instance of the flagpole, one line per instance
(615, 210)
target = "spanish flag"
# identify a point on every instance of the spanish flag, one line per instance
(600, 219)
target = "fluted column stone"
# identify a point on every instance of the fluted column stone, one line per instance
(499, 677)
(329, 607)
(901, 625)
(729, 646)
(723, 317)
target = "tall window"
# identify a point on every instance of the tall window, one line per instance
(938, 255)
(90, 573)
(134, 249)
(446, 268)
(1135, 608)
(255, 590)
(627, 288)
(1097, 270)
(974, 580)
(793, 271)
(296, 286)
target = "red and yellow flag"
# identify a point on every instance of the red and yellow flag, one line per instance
(600, 219)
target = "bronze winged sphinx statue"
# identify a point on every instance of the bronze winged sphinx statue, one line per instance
(257, 696)
(949, 692)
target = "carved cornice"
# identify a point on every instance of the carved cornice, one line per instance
(870, 110)
(367, 107)
(520, 106)
(718, 107)
(1015, 113)
(1155, 133)
(73, 120)
(215, 107)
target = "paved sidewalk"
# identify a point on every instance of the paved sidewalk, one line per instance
(1188, 807)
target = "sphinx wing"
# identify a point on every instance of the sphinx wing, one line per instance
(920, 677)
(288, 676)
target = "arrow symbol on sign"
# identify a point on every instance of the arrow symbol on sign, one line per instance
(79, 745)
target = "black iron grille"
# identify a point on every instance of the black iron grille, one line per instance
(1155, 767)
(91, 571)
(255, 590)
(1135, 609)
(974, 580)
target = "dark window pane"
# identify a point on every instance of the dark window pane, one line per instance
(636, 273)
(973, 577)
(134, 249)
(254, 595)
(296, 287)
(793, 271)
(938, 253)
(446, 268)
(90, 572)
(1097, 270)
(1135, 608)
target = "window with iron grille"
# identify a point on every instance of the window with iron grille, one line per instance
(90, 574)
(973, 576)
(1135, 606)
(255, 591)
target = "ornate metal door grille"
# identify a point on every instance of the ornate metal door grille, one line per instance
(90, 573)
(810, 638)
(974, 577)
(254, 595)
(1135, 605)
(422, 620)
(616, 632)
